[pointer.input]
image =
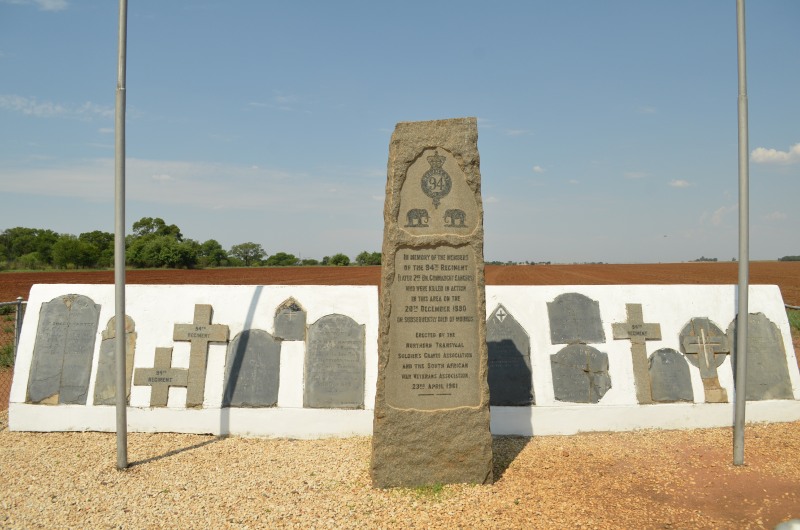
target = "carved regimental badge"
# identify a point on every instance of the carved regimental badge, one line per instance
(436, 183)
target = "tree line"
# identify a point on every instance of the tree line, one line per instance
(152, 244)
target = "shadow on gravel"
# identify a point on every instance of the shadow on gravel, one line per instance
(176, 451)
(505, 450)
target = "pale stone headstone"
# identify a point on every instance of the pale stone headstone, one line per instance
(575, 318)
(335, 364)
(432, 403)
(201, 332)
(63, 351)
(670, 380)
(580, 374)
(638, 332)
(510, 382)
(706, 346)
(161, 377)
(290, 321)
(767, 370)
(252, 370)
(105, 386)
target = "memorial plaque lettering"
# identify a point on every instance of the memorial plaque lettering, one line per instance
(252, 370)
(63, 351)
(335, 364)
(105, 386)
(434, 333)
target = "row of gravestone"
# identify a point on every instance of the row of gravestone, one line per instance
(65, 342)
(580, 372)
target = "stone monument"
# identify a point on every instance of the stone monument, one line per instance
(431, 422)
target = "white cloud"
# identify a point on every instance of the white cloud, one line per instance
(106, 130)
(538, 169)
(762, 155)
(718, 216)
(517, 132)
(491, 199)
(775, 216)
(43, 5)
(679, 183)
(161, 177)
(48, 109)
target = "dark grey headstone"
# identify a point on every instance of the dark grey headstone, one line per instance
(106, 381)
(575, 318)
(706, 346)
(580, 374)
(290, 321)
(670, 380)
(767, 370)
(63, 351)
(335, 364)
(252, 370)
(510, 382)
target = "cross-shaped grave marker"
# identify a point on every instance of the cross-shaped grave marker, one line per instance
(637, 331)
(200, 333)
(161, 377)
(702, 341)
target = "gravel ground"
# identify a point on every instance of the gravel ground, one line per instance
(643, 479)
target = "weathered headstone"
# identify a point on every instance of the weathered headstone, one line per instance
(252, 370)
(63, 351)
(105, 386)
(335, 364)
(638, 332)
(767, 370)
(706, 346)
(290, 321)
(200, 333)
(580, 374)
(432, 403)
(510, 382)
(575, 318)
(161, 377)
(670, 380)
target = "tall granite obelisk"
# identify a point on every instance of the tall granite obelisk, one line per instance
(431, 421)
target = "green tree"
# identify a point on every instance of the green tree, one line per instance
(69, 251)
(156, 226)
(212, 254)
(249, 253)
(104, 243)
(309, 261)
(20, 241)
(368, 258)
(281, 259)
(339, 260)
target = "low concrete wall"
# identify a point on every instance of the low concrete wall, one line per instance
(156, 309)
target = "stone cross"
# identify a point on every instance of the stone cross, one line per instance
(161, 377)
(706, 345)
(637, 331)
(200, 333)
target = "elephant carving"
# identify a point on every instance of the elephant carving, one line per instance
(456, 218)
(417, 217)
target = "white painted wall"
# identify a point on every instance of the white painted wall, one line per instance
(156, 308)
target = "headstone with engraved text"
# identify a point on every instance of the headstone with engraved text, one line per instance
(432, 403)
(252, 370)
(335, 364)
(105, 386)
(63, 351)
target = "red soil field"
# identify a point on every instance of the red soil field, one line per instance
(785, 274)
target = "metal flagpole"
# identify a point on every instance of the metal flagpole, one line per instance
(119, 244)
(740, 392)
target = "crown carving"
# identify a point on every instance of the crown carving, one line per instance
(436, 160)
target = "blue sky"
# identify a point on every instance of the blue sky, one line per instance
(607, 129)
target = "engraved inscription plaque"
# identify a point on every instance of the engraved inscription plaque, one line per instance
(433, 339)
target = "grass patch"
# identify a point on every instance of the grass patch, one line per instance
(430, 491)
(7, 354)
(794, 318)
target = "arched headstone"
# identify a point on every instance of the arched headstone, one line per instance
(575, 318)
(252, 370)
(670, 380)
(335, 364)
(106, 381)
(63, 350)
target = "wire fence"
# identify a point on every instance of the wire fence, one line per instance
(11, 315)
